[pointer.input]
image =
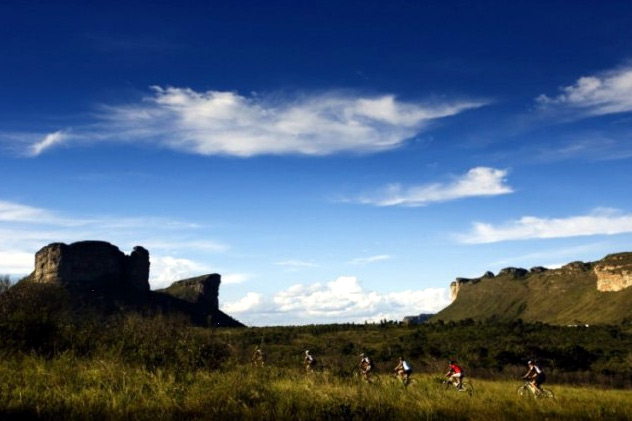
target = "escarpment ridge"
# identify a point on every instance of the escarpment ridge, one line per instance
(576, 293)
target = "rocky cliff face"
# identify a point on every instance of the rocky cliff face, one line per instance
(200, 294)
(92, 264)
(614, 272)
(455, 286)
(201, 290)
(97, 273)
(510, 272)
(598, 292)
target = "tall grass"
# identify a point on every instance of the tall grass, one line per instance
(68, 387)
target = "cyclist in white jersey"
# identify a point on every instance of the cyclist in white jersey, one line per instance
(403, 370)
(535, 374)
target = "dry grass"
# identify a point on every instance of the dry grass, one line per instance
(68, 388)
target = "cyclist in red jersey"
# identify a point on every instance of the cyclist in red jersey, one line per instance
(456, 374)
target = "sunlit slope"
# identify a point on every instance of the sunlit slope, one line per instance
(563, 296)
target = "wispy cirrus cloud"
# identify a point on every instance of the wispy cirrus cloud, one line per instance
(600, 222)
(605, 93)
(342, 300)
(47, 142)
(227, 123)
(293, 263)
(549, 257)
(16, 212)
(477, 182)
(370, 259)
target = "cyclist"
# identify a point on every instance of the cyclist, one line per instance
(536, 375)
(258, 358)
(366, 365)
(456, 374)
(403, 370)
(309, 361)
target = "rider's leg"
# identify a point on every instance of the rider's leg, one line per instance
(534, 387)
(459, 380)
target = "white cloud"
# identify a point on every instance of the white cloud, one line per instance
(49, 141)
(606, 93)
(600, 222)
(15, 212)
(370, 259)
(235, 278)
(339, 301)
(479, 181)
(16, 262)
(297, 264)
(227, 123)
(251, 302)
(541, 257)
(174, 245)
(165, 270)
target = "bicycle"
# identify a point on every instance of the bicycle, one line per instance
(358, 375)
(398, 379)
(527, 389)
(466, 387)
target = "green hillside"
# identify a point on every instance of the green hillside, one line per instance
(564, 296)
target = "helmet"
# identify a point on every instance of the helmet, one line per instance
(362, 354)
(530, 362)
(452, 361)
(307, 351)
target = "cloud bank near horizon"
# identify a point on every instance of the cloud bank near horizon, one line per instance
(227, 123)
(343, 300)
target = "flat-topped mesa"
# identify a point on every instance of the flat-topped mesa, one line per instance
(455, 286)
(614, 272)
(92, 264)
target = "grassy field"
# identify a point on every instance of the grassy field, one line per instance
(60, 363)
(69, 388)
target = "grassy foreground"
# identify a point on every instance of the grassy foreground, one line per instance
(70, 388)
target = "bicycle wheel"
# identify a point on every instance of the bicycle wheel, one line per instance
(356, 375)
(374, 378)
(466, 387)
(446, 384)
(523, 390)
(394, 381)
(546, 393)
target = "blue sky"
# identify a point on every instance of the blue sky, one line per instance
(334, 161)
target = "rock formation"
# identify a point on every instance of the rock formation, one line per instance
(92, 264)
(614, 272)
(202, 291)
(200, 296)
(514, 272)
(538, 269)
(88, 267)
(577, 266)
(455, 286)
(416, 320)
